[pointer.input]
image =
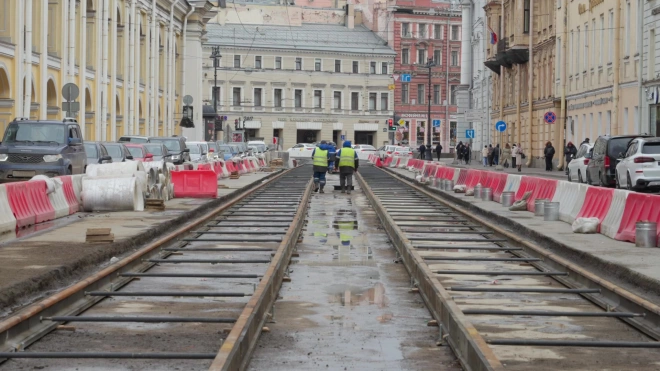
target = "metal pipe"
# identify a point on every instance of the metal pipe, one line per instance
(445, 232)
(211, 261)
(140, 319)
(483, 259)
(502, 273)
(563, 119)
(27, 106)
(489, 248)
(130, 81)
(530, 95)
(214, 249)
(100, 355)
(72, 42)
(184, 42)
(18, 57)
(167, 293)
(547, 313)
(519, 290)
(112, 96)
(43, 61)
(190, 275)
(575, 343)
(616, 65)
(240, 232)
(457, 239)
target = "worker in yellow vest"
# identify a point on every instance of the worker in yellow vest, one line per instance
(347, 164)
(320, 158)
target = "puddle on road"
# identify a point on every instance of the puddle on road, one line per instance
(352, 296)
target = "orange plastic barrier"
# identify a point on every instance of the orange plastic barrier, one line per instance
(544, 189)
(70, 194)
(195, 184)
(379, 163)
(204, 167)
(526, 184)
(462, 177)
(497, 185)
(29, 202)
(596, 204)
(639, 207)
(473, 178)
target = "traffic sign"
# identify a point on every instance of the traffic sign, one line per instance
(469, 133)
(187, 99)
(343, 137)
(402, 122)
(406, 78)
(500, 126)
(550, 117)
(391, 86)
(70, 91)
(436, 123)
(70, 107)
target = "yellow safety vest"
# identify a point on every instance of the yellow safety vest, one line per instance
(321, 157)
(347, 157)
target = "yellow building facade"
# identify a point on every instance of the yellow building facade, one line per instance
(128, 58)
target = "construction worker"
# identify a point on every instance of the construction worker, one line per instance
(347, 164)
(333, 156)
(320, 156)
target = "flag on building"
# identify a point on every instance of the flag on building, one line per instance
(493, 36)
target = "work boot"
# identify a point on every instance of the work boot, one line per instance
(321, 190)
(348, 192)
(316, 189)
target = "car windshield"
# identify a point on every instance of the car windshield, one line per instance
(651, 148)
(91, 151)
(194, 149)
(171, 144)
(618, 145)
(133, 140)
(226, 149)
(154, 149)
(34, 133)
(136, 152)
(114, 151)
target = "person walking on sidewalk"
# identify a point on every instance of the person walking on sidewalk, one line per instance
(548, 153)
(348, 164)
(422, 148)
(506, 155)
(467, 153)
(496, 155)
(517, 153)
(484, 154)
(490, 155)
(438, 150)
(569, 154)
(459, 152)
(320, 158)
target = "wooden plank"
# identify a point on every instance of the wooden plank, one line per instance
(98, 231)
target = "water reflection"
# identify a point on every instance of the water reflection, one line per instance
(350, 297)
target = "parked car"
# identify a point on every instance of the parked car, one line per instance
(118, 152)
(139, 152)
(204, 148)
(158, 151)
(301, 150)
(639, 166)
(364, 150)
(96, 153)
(602, 166)
(196, 152)
(176, 148)
(403, 151)
(259, 144)
(577, 168)
(133, 139)
(228, 151)
(36, 147)
(386, 151)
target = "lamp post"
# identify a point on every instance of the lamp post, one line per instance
(428, 130)
(215, 55)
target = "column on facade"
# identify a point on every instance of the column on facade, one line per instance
(113, 71)
(129, 21)
(43, 61)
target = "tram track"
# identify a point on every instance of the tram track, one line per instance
(503, 302)
(198, 295)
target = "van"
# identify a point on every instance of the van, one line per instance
(41, 147)
(176, 147)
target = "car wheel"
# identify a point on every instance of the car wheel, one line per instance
(628, 183)
(569, 175)
(616, 180)
(69, 171)
(580, 177)
(588, 177)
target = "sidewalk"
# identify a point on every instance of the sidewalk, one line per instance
(555, 174)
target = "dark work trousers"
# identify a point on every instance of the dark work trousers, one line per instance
(346, 179)
(513, 161)
(548, 163)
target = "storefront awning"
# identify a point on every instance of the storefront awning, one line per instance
(252, 124)
(278, 124)
(365, 127)
(208, 111)
(308, 125)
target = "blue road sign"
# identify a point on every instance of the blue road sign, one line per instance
(550, 117)
(469, 133)
(436, 123)
(343, 137)
(500, 126)
(405, 78)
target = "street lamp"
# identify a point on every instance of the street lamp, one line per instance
(215, 55)
(428, 154)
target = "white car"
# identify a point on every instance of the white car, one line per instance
(386, 151)
(639, 167)
(301, 150)
(364, 150)
(577, 168)
(403, 151)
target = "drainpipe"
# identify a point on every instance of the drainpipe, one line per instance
(616, 66)
(43, 61)
(72, 40)
(130, 82)
(169, 103)
(113, 71)
(136, 70)
(104, 73)
(183, 49)
(28, 59)
(563, 120)
(502, 70)
(83, 66)
(530, 95)
(152, 70)
(640, 74)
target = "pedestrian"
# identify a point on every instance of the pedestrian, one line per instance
(320, 157)
(332, 151)
(518, 154)
(513, 155)
(438, 150)
(422, 148)
(490, 155)
(484, 154)
(459, 152)
(548, 153)
(506, 155)
(348, 163)
(496, 155)
(569, 154)
(467, 154)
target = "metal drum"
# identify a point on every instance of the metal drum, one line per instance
(487, 194)
(551, 211)
(538, 206)
(646, 234)
(508, 198)
(449, 185)
(477, 191)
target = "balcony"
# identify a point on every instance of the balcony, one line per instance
(507, 56)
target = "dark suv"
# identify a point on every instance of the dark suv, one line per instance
(176, 148)
(602, 166)
(41, 147)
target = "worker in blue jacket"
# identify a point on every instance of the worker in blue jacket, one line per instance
(333, 156)
(320, 158)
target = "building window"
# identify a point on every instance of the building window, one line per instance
(318, 96)
(257, 97)
(278, 63)
(372, 67)
(336, 102)
(404, 93)
(355, 101)
(384, 100)
(422, 31)
(236, 97)
(298, 64)
(420, 93)
(383, 68)
(455, 33)
(337, 65)
(356, 67)
(437, 31)
(437, 57)
(454, 58)
(237, 61)
(421, 56)
(372, 101)
(298, 98)
(526, 16)
(405, 56)
(257, 62)
(436, 94)
(452, 97)
(278, 98)
(317, 64)
(405, 30)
